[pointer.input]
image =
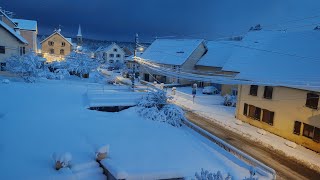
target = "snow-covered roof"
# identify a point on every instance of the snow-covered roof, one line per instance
(26, 24)
(281, 58)
(13, 32)
(104, 49)
(56, 32)
(171, 51)
(4, 14)
(218, 53)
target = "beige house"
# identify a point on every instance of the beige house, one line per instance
(56, 46)
(173, 54)
(29, 30)
(283, 95)
(11, 43)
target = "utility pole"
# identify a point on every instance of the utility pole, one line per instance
(134, 61)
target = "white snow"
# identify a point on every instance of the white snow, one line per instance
(218, 53)
(39, 119)
(210, 106)
(171, 51)
(284, 58)
(26, 24)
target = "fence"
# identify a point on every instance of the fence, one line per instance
(227, 147)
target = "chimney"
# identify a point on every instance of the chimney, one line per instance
(17, 30)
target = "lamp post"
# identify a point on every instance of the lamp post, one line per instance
(134, 62)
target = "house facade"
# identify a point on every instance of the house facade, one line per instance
(283, 95)
(11, 43)
(29, 30)
(56, 46)
(174, 55)
(113, 54)
(287, 112)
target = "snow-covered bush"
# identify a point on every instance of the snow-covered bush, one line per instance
(154, 107)
(62, 161)
(253, 172)
(28, 66)
(154, 99)
(230, 100)
(206, 175)
(5, 81)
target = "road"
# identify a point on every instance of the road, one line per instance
(285, 167)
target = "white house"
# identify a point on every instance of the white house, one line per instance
(113, 54)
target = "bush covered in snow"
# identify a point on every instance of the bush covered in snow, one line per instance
(27, 66)
(230, 100)
(62, 160)
(154, 106)
(206, 175)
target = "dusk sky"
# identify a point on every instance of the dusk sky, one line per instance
(121, 19)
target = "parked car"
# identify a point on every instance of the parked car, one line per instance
(210, 90)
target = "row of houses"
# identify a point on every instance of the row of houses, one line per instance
(275, 75)
(17, 37)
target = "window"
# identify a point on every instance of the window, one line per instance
(308, 131)
(2, 49)
(111, 61)
(254, 112)
(50, 43)
(234, 92)
(51, 51)
(111, 55)
(311, 132)
(22, 51)
(268, 92)
(253, 90)
(297, 127)
(245, 109)
(2, 66)
(115, 50)
(63, 44)
(312, 100)
(316, 136)
(118, 55)
(267, 117)
(62, 51)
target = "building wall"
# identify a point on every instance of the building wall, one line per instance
(227, 89)
(12, 44)
(288, 105)
(106, 54)
(31, 37)
(57, 39)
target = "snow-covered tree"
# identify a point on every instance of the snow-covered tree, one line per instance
(26, 66)
(173, 114)
(154, 99)
(206, 175)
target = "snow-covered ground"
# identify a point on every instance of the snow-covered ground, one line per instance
(210, 106)
(47, 117)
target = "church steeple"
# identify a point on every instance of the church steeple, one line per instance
(79, 36)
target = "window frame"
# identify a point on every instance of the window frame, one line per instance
(62, 52)
(310, 130)
(253, 90)
(63, 44)
(310, 100)
(271, 117)
(50, 43)
(2, 49)
(268, 92)
(255, 113)
(297, 125)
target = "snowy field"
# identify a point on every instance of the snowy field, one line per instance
(210, 106)
(39, 119)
